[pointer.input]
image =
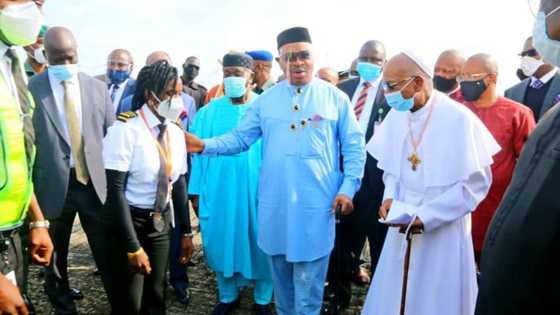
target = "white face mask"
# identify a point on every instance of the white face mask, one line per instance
(39, 55)
(530, 65)
(170, 109)
(20, 23)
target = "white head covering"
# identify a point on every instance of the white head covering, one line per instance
(418, 62)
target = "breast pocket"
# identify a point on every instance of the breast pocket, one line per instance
(317, 137)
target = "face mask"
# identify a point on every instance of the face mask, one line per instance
(117, 76)
(39, 55)
(530, 65)
(548, 48)
(398, 102)
(443, 84)
(235, 87)
(170, 109)
(63, 72)
(472, 90)
(20, 24)
(368, 71)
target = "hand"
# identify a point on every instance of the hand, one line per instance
(195, 199)
(417, 226)
(186, 249)
(384, 209)
(41, 246)
(11, 301)
(139, 262)
(345, 204)
(194, 144)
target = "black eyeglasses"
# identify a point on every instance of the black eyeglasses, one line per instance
(296, 55)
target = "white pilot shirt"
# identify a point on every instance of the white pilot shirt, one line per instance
(130, 147)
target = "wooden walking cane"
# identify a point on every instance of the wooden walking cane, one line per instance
(408, 234)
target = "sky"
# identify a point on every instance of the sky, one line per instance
(210, 28)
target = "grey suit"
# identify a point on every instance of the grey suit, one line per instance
(52, 165)
(518, 91)
(60, 195)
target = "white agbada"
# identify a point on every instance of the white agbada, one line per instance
(453, 177)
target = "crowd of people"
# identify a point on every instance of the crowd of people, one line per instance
(450, 184)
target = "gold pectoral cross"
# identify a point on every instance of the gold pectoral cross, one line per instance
(414, 160)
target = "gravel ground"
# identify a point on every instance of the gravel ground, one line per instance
(203, 286)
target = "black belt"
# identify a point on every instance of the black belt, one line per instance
(145, 213)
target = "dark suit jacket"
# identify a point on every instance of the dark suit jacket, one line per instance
(129, 90)
(371, 191)
(517, 93)
(52, 164)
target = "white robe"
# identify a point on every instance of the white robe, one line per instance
(442, 274)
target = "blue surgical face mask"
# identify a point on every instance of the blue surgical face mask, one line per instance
(368, 71)
(548, 48)
(235, 87)
(63, 72)
(398, 102)
(117, 76)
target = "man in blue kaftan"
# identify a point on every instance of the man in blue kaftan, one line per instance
(306, 125)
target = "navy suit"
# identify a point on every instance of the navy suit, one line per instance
(363, 221)
(129, 90)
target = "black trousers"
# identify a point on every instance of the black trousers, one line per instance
(146, 293)
(97, 224)
(354, 228)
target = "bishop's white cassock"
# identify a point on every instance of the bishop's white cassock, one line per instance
(452, 178)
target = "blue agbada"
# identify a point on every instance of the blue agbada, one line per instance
(227, 186)
(304, 132)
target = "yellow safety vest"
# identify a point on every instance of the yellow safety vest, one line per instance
(16, 186)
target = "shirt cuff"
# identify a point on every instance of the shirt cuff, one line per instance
(347, 188)
(210, 147)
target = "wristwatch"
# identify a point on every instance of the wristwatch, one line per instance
(39, 224)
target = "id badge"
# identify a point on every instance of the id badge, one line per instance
(11, 276)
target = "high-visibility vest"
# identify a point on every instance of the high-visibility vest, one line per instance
(16, 186)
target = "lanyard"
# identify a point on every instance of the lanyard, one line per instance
(165, 152)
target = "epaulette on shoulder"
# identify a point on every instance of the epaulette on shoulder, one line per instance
(125, 116)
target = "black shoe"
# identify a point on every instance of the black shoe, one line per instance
(183, 295)
(262, 309)
(225, 308)
(75, 294)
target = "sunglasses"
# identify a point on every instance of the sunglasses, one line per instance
(302, 55)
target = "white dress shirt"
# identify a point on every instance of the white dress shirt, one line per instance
(118, 94)
(131, 147)
(372, 93)
(58, 93)
(547, 77)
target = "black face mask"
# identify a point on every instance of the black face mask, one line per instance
(191, 72)
(521, 75)
(472, 90)
(443, 84)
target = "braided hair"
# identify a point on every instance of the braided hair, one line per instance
(155, 78)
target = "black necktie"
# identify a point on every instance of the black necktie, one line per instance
(25, 104)
(163, 179)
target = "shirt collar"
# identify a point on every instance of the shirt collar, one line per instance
(151, 119)
(374, 83)
(547, 77)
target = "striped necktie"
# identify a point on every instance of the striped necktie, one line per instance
(163, 179)
(361, 102)
(537, 84)
(25, 104)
